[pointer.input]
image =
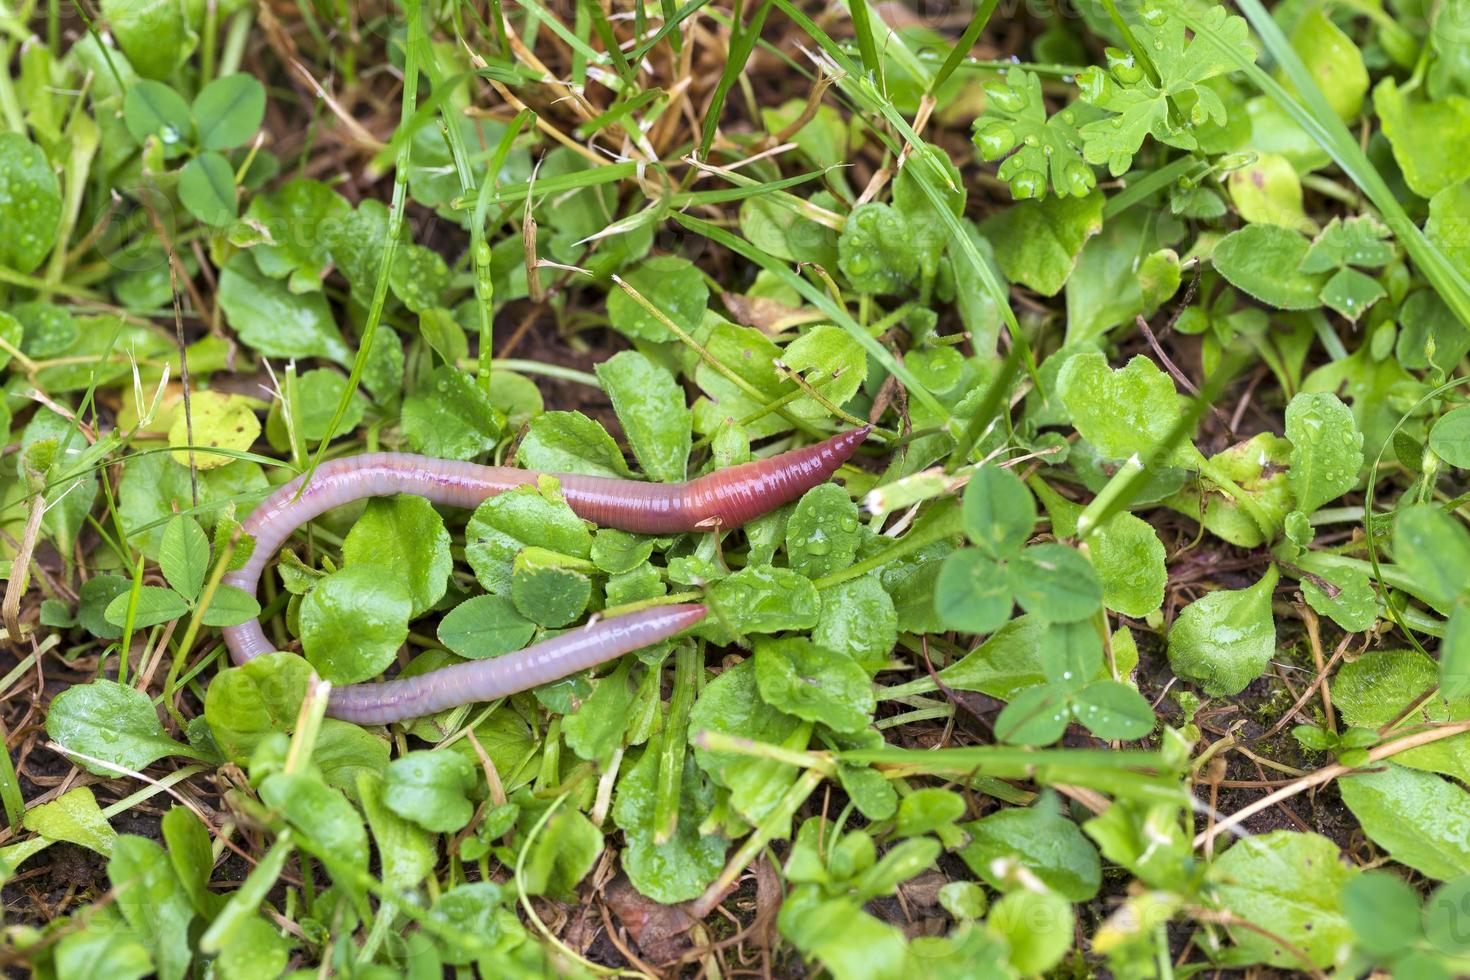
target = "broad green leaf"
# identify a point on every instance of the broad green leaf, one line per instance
(1035, 716)
(287, 232)
(1326, 449)
(595, 730)
(615, 551)
(682, 867)
(246, 704)
(1223, 640)
(1434, 549)
(30, 203)
(1270, 192)
(450, 417)
(809, 682)
(154, 34)
(837, 933)
(1383, 911)
(761, 599)
(230, 606)
(1354, 607)
(570, 442)
(1450, 437)
(153, 605)
(1113, 710)
(822, 534)
(485, 626)
(731, 703)
(1449, 224)
(1055, 582)
(507, 523)
(219, 422)
(1264, 261)
(1454, 654)
(1259, 466)
(1120, 274)
(273, 320)
(1005, 664)
(1350, 293)
(547, 593)
(405, 849)
(1333, 61)
(999, 513)
(1037, 927)
(228, 111)
(155, 488)
(562, 855)
(318, 393)
(1430, 139)
(926, 810)
(323, 815)
(431, 789)
(651, 409)
(98, 952)
(474, 909)
(1379, 686)
(155, 111)
(1289, 884)
(1417, 817)
(858, 619)
(1041, 840)
(153, 902)
(832, 362)
(354, 621)
(972, 592)
(669, 282)
(1124, 412)
(95, 595)
(207, 189)
(1037, 243)
(880, 251)
(254, 951)
(405, 539)
(1362, 241)
(343, 751)
(112, 722)
(183, 556)
(75, 817)
(418, 277)
(191, 858)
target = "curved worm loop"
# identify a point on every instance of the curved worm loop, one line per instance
(725, 499)
(486, 680)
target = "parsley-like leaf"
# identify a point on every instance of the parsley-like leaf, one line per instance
(1170, 109)
(1015, 123)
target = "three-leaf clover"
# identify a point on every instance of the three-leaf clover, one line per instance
(184, 558)
(977, 586)
(1361, 241)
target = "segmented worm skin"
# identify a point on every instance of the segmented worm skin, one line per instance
(486, 680)
(724, 499)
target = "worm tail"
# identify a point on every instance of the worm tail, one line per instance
(486, 680)
(728, 498)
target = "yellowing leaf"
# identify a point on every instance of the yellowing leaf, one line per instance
(219, 422)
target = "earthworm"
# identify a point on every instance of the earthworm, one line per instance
(486, 680)
(723, 499)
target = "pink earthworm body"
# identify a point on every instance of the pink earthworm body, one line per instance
(724, 499)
